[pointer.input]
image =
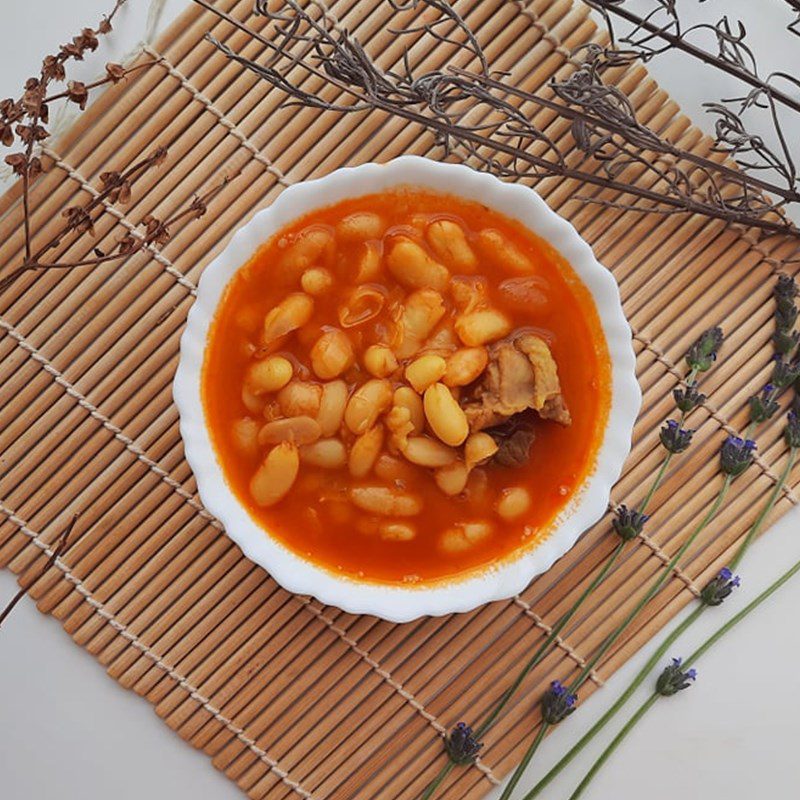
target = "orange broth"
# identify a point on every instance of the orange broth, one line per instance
(314, 519)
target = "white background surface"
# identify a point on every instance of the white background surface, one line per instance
(68, 731)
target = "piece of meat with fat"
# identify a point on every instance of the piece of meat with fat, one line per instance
(521, 374)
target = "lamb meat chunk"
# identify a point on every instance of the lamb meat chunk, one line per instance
(520, 375)
(547, 399)
(505, 389)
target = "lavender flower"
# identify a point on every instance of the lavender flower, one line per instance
(628, 523)
(461, 745)
(717, 589)
(736, 455)
(763, 406)
(703, 353)
(675, 437)
(673, 679)
(557, 703)
(689, 398)
(785, 372)
(792, 431)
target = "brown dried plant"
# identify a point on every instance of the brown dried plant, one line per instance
(24, 121)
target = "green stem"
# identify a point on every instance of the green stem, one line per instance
(657, 482)
(532, 662)
(540, 653)
(707, 644)
(690, 378)
(523, 765)
(654, 588)
(651, 592)
(652, 662)
(615, 743)
(770, 504)
(437, 781)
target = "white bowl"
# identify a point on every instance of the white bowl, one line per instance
(403, 603)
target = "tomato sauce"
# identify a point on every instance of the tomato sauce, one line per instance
(316, 518)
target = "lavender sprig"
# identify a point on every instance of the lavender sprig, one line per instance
(762, 407)
(627, 524)
(792, 435)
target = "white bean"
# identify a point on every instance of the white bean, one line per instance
(424, 371)
(385, 501)
(513, 502)
(452, 479)
(445, 415)
(359, 226)
(478, 448)
(276, 475)
(369, 263)
(390, 469)
(449, 243)
(397, 531)
(482, 327)
(252, 402)
(325, 453)
(316, 281)
(291, 313)
(463, 536)
(421, 313)
(465, 365)
(399, 423)
(380, 361)
(365, 451)
(269, 375)
(300, 398)
(298, 430)
(332, 354)
(499, 250)
(245, 436)
(308, 246)
(413, 267)
(331, 407)
(366, 404)
(406, 397)
(426, 452)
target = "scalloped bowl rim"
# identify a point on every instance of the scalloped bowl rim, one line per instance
(401, 603)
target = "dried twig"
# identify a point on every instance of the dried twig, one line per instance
(25, 119)
(59, 548)
(478, 116)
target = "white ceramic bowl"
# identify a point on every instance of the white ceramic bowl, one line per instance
(403, 603)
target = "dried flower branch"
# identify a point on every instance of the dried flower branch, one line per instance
(25, 119)
(59, 548)
(480, 118)
(660, 29)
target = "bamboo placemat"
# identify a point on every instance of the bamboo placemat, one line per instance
(288, 697)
